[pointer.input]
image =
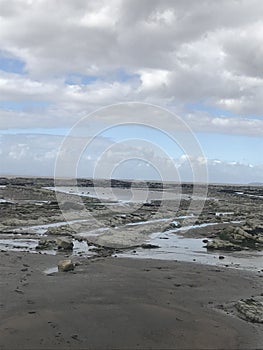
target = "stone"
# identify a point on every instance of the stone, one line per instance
(45, 243)
(65, 265)
(64, 244)
(251, 310)
(174, 224)
(149, 246)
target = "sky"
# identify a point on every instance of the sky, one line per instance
(187, 74)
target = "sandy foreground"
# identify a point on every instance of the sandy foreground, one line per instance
(112, 303)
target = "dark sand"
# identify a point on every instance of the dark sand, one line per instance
(115, 303)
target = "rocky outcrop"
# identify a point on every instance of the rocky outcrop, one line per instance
(65, 265)
(239, 238)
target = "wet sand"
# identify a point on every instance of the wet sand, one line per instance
(112, 303)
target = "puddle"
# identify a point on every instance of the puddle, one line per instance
(41, 229)
(249, 195)
(172, 246)
(125, 195)
(148, 222)
(29, 245)
(95, 232)
(192, 227)
(176, 247)
(186, 216)
(224, 213)
(18, 245)
(82, 249)
(51, 270)
(5, 201)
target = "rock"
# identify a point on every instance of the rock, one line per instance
(64, 244)
(234, 234)
(149, 246)
(65, 265)
(67, 205)
(64, 230)
(46, 243)
(238, 238)
(221, 257)
(219, 244)
(174, 224)
(251, 310)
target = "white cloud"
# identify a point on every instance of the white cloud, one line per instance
(152, 79)
(181, 51)
(173, 53)
(35, 155)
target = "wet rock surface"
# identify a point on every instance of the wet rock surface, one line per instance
(231, 218)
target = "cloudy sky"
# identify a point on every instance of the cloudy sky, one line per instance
(61, 60)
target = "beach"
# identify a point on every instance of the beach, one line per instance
(142, 275)
(111, 303)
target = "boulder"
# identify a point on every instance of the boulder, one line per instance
(65, 265)
(64, 244)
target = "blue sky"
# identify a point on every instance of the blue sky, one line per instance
(128, 52)
(11, 64)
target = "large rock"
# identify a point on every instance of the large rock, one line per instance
(64, 244)
(219, 244)
(65, 265)
(251, 310)
(238, 238)
(235, 235)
